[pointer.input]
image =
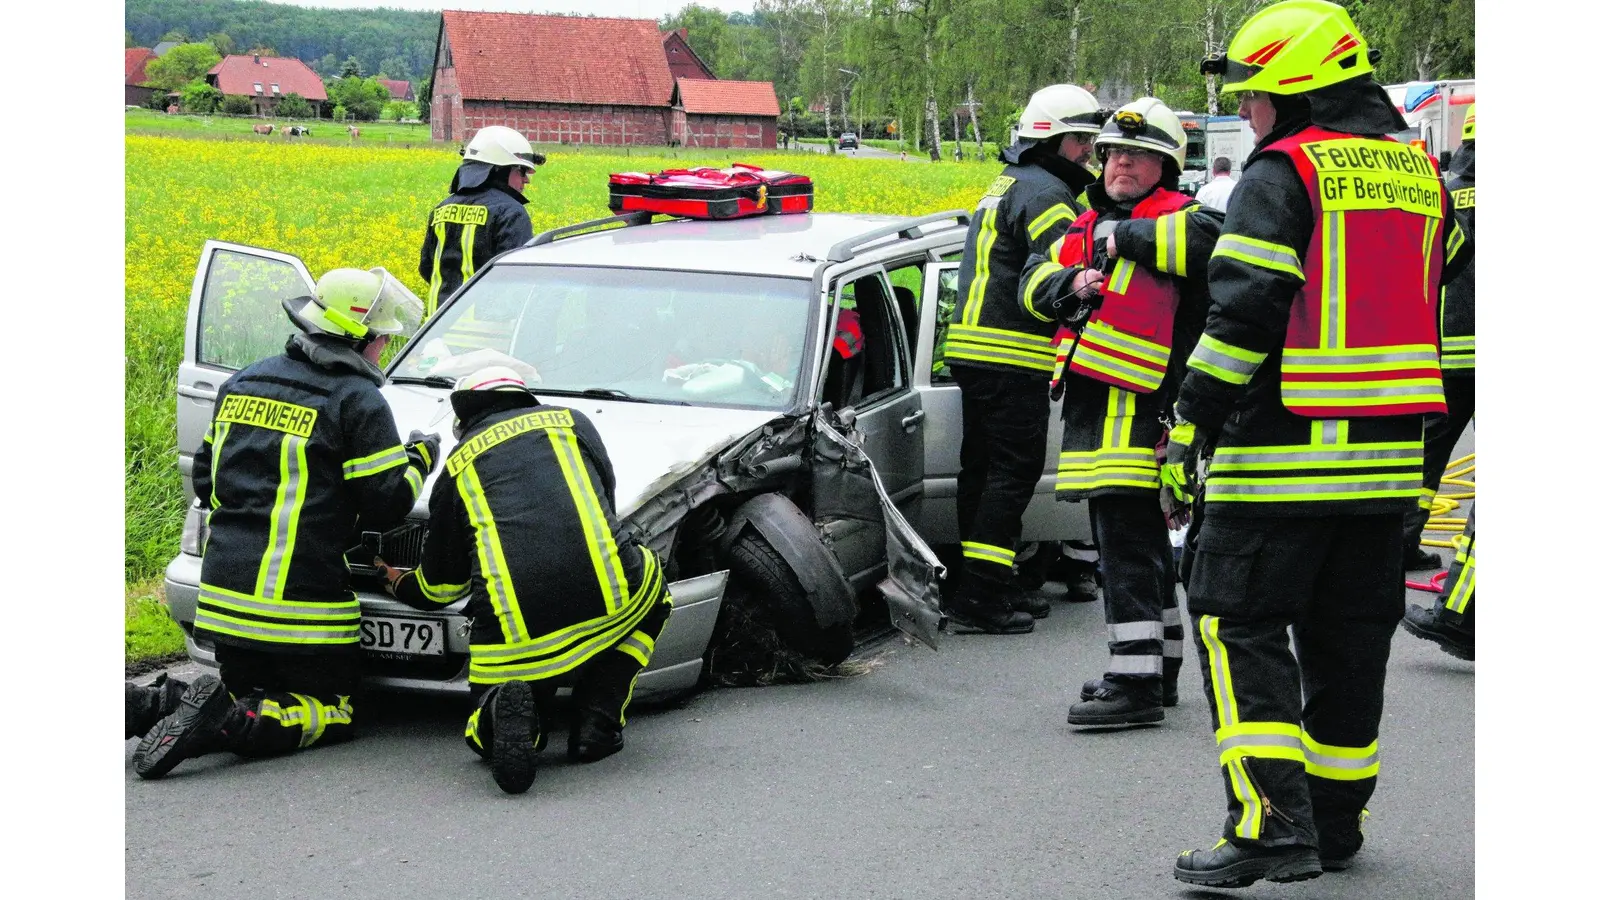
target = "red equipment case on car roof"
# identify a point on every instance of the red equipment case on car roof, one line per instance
(707, 193)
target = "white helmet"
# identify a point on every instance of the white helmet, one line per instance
(492, 378)
(1146, 123)
(357, 303)
(498, 145)
(1060, 109)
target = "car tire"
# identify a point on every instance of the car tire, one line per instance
(774, 587)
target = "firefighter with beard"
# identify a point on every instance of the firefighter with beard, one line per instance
(1319, 359)
(522, 523)
(301, 455)
(1458, 352)
(1002, 355)
(484, 215)
(1137, 257)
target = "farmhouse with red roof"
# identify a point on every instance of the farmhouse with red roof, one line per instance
(586, 80)
(398, 90)
(135, 91)
(267, 80)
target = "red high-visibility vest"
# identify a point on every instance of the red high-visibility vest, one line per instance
(1128, 341)
(1361, 339)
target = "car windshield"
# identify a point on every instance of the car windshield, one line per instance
(647, 335)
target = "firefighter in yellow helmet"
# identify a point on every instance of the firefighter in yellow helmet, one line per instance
(1317, 364)
(301, 447)
(522, 522)
(1458, 351)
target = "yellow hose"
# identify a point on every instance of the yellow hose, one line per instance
(1455, 475)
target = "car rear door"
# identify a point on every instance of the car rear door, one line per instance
(235, 318)
(1045, 519)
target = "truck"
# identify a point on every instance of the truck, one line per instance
(1434, 112)
(1210, 137)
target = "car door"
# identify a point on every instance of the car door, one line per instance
(235, 318)
(1045, 519)
(887, 413)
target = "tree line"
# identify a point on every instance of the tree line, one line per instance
(923, 71)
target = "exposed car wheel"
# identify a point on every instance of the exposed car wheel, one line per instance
(775, 590)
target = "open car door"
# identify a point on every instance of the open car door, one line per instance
(236, 317)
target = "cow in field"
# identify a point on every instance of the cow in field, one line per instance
(298, 131)
(354, 132)
(263, 129)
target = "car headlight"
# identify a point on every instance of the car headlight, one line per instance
(194, 530)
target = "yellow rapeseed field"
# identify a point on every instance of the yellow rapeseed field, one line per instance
(364, 206)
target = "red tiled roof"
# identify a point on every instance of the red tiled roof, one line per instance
(688, 63)
(728, 98)
(240, 74)
(134, 60)
(558, 59)
(397, 89)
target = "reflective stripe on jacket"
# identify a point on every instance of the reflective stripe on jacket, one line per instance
(1457, 318)
(466, 230)
(1128, 341)
(522, 523)
(1026, 209)
(300, 457)
(1361, 339)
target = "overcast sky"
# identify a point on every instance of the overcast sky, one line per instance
(632, 9)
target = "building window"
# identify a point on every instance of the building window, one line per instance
(274, 89)
(258, 87)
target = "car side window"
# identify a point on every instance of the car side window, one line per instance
(941, 331)
(241, 317)
(906, 282)
(867, 357)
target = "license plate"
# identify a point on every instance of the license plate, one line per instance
(392, 636)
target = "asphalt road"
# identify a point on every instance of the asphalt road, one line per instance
(948, 774)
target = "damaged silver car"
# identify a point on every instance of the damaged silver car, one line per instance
(765, 387)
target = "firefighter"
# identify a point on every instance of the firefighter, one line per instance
(1318, 361)
(484, 215)
(1456, 356)
(1001, 356)
(1140, 250)
(146, 704)
(300, 457)
(522, 522)
(1449, 622)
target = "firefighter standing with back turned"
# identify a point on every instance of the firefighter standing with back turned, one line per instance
(1143, 246)
(1458, 352)
(1002, 355)
(1318, 361)
(301, 455)
(523, 523)
(484, 215)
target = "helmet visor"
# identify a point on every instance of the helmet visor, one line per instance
(397, 310)
(531, 158)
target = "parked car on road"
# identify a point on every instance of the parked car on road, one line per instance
(849, 141)
(770, 472)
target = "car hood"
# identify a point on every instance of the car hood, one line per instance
(644, 440)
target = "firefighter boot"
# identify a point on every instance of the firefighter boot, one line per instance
(1430, 625)
(1034, 603)
(599, 706)
(1337, 845)
(975, 614)
(145, 705)
(1232, 866)
(194, 728)
(1133, 702)
(516, 730)
(1418, 559)
(1169, 688)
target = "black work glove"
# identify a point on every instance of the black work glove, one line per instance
(423, 450)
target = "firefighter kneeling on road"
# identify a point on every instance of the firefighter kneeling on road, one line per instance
(522, 522)
(302, 450)
(1143, 246)
(1319, 359)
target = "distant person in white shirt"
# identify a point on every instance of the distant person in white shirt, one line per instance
(1216, 191)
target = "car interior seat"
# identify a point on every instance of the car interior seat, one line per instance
(907, 302)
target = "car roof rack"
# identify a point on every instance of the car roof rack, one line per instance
(625, 220)
(908, 230)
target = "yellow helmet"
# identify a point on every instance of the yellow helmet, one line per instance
(1293, 47)
(1469, 128)
(358, 303)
